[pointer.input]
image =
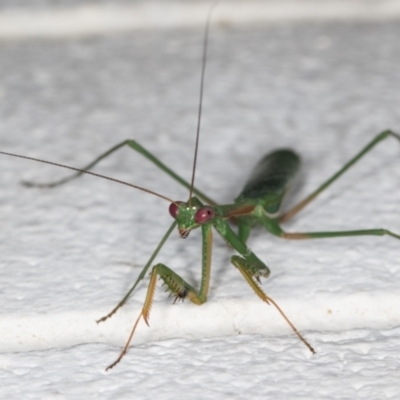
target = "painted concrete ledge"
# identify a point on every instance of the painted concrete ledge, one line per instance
(90, 20)
(224, 317)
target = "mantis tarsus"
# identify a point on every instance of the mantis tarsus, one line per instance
(258, 203)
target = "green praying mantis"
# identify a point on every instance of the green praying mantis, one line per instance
(259, 203)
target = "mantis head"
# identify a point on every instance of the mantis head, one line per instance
(190, 215)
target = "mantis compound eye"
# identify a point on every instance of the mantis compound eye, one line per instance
(174, 209)
(203, 215)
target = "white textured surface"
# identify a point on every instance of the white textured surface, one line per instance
(69, 254)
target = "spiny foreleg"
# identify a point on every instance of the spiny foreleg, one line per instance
(175, 285)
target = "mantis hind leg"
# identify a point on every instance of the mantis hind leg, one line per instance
(274, 227)
(292, 212)
(322, 235)
(141, 150)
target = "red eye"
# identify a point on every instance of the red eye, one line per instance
(204, 215)
(174, 209)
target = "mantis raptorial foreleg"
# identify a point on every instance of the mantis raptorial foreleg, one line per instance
(249, 273)
(179, 282)
(175, 284)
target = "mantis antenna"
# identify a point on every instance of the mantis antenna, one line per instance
(203, 70)
(83, 171)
